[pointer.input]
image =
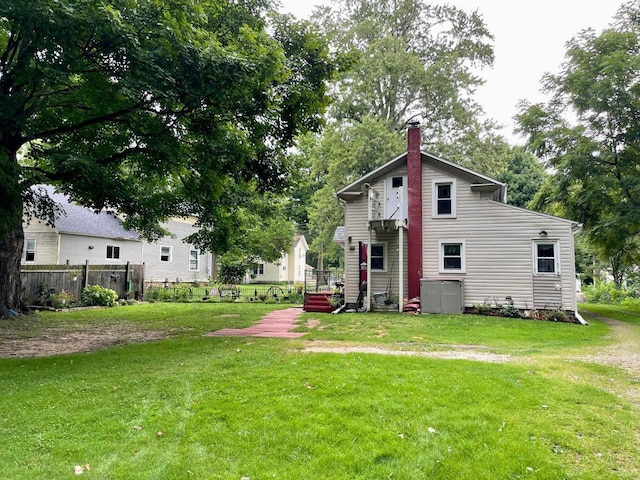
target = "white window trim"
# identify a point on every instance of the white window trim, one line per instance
(385, 256)
(556, 253)
(463, 255)
(197, 259)
(434, 197)
(170, 253)
(113, 245)
(26, 249)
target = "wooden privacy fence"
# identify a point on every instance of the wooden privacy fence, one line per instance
(40, 282)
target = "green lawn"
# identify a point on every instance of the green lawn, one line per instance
(223, 408)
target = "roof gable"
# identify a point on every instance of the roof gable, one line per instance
(355, 188)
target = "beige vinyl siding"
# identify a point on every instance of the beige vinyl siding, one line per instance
(178, 267)
(547, 293)
(75, 249)
(498, 243)
(356, 227)
(46, 242)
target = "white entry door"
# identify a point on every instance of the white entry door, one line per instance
(396, 203)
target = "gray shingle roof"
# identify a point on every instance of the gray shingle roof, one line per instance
(84, 221)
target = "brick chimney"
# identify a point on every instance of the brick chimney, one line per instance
(414, 206)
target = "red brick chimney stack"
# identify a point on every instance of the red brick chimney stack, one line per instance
(414, 206)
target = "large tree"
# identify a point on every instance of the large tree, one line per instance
(595, 155)
(150, 107)
(406, 59)
(409, 59)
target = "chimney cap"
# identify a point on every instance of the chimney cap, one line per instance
(414, 124)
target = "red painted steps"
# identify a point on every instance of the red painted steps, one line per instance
(318, 302)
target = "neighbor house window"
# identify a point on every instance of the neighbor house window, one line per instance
(452, 256)
(545, 258)
(259, 270)
(194, 257)
(29, 251)
(165, 254)
(444, 198)
(377, 257)
(113, 252)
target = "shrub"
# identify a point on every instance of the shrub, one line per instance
(556, 315)
(509, 310)
(61, 299)
(95, 295)
(482, 308)
(183, 293)
(607, 293)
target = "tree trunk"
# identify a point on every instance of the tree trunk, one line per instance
(10, 256)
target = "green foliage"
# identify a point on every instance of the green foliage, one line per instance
(608, 293)
(524, 175)
(594, 158)
(482, 308)
(153, 108)
(62, 299)
(509, 310)
(556, 315)
(96, 295)
(408, 59)
(232, 267)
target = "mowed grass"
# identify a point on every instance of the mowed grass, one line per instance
(504, 335)
(223, 408)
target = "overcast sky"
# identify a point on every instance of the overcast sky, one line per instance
(529, 40)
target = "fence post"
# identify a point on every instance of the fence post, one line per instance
(85, 276)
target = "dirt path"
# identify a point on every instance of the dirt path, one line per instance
(624, 352)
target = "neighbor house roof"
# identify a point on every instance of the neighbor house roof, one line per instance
(78, 220)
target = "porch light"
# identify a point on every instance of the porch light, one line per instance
(542, 233)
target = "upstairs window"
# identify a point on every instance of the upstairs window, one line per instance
(444, 198)
(259, 270)
(113, 252)
(29, 251)
(165, 254)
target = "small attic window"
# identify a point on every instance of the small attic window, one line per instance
(396, 182)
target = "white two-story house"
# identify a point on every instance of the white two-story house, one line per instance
(421, 226)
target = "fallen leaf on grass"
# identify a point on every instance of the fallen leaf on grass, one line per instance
(432, 430)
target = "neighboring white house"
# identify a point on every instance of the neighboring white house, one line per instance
(171, 259)
(423, 226)
(290, 268)
(81, 235)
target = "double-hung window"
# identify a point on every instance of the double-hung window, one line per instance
(259, 270)
(452, 256)
(545, 261)
(165, 254)
(29, 251)
(377, 256)
(443, 198)
(194, 260)
(113, 252)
